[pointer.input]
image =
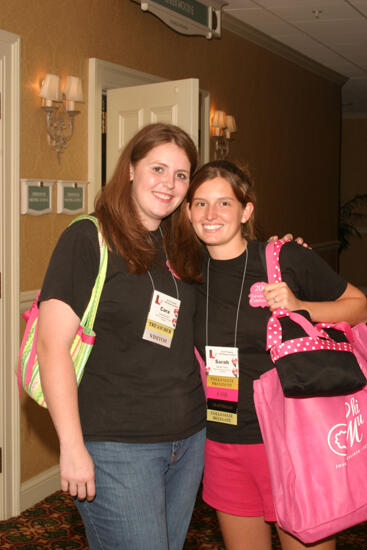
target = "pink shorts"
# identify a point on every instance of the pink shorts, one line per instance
(237, 480)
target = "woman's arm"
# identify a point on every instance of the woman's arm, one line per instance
(57, 327)
(351, 306)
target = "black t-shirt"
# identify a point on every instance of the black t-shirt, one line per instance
(132, 390)
(308, 276)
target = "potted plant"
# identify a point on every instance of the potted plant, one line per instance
(349, 219)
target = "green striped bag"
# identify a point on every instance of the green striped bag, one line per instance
(28, 369)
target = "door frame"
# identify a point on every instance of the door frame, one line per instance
(10, 250)
(104, 75)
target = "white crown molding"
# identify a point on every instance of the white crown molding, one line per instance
(261, 39)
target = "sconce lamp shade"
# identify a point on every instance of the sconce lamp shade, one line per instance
(231, 123)
(219, 119)
(50, 88)
(222, 127)
(73, 89)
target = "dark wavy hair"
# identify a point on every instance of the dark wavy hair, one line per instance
(115, 207)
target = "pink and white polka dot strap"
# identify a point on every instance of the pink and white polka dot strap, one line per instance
(272, 261)
(343, 326)
(274, 329)
(315, 338)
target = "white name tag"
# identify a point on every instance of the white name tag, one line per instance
(162, 319)
(222, 361)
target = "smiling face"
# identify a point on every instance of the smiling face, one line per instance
(159, 183)
(217, 217)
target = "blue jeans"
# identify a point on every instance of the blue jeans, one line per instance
(145, 493)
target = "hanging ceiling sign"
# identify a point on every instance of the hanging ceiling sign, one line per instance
(192, 17)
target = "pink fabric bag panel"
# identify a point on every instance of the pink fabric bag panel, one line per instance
(202, 366)
(317, 454)
(357, 336)
(359, 333)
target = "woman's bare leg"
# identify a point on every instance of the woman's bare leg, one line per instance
(240, 533)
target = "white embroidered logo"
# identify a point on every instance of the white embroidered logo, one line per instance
(342, 437)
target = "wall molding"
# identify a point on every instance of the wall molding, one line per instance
(26, 300)
(261, 39)
(9, 266)
(39, 487)
(354, 115)
(324, 246)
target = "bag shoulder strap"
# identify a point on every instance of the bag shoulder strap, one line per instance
(275, 276)
(90, 312)
(272, 260)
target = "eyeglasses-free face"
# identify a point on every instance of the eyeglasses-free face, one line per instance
(160, 182)
(217, 217)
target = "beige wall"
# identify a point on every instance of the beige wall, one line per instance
(353, 261)
(288, 121)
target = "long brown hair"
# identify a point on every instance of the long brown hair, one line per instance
(242, 186)
(115, 207)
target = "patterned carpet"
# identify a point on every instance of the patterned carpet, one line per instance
(55, 524)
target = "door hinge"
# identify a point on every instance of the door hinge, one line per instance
(1, 460)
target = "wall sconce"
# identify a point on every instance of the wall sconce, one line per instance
(223, 126)
(60, 117)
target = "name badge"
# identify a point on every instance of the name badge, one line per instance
(162, 319)
(222, 384)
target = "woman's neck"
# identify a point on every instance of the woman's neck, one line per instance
(227, 251)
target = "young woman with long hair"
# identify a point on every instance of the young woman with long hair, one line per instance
(132, 436)
(220, 206)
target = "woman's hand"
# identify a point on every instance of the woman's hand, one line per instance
(77, 472)
(289, 237)
(351, 306)
(280, 295)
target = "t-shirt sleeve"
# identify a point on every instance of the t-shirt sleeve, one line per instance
(73, 267)
(308, 275)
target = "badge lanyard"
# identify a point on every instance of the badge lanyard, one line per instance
(222, 368)
(163, 314)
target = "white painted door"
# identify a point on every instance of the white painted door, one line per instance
(129, 109)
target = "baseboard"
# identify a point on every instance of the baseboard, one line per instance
(39, 487)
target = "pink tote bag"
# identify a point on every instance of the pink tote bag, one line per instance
(202, 366)
(317, 454)
(359, 342)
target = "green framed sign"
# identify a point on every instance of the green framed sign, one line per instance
(71, 196)
(36, 196)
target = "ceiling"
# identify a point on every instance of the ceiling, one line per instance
(331, 32)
